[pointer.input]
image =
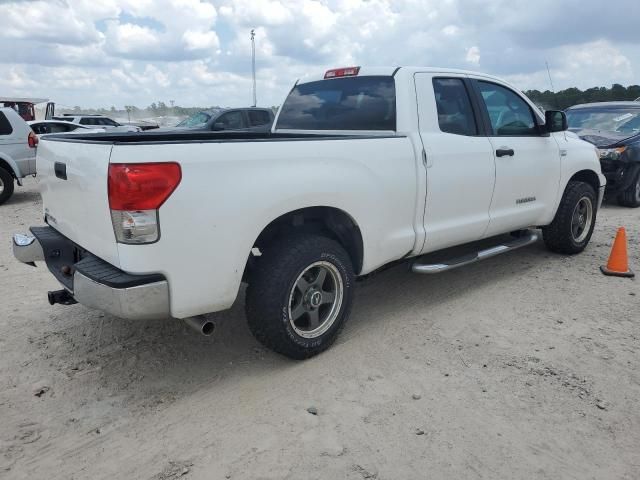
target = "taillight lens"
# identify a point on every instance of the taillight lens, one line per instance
(32, 140)
(136, 192)
(142, 186)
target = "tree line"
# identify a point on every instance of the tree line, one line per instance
(573, 96)
(548, 100)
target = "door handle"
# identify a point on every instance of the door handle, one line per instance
(60, 169)
(505, 152)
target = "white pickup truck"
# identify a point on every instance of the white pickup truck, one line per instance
(363, 167)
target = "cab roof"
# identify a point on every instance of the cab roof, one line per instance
(392, 71)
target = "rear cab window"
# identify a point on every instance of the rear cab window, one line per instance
(348, 103)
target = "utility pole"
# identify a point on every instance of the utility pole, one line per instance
(253, 64)
(550, 81)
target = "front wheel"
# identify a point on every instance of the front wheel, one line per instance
(6, 185)
(299, 294)
(572, 227)
(631, 196)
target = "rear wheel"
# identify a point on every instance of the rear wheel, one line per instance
(575, 219)
(631, 196)
(6, 185)
(299, 295)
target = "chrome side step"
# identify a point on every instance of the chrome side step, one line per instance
(527, 238)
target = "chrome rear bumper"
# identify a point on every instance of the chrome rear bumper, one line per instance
(27, 249)
(99, 285)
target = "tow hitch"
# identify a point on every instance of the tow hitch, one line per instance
(63, 297)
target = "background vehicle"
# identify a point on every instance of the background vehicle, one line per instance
(613, 127)
(219, 119)
(364, 167)
(17, 151)
(24, 106)
(44, 127)
(141, 124)
(99, 121)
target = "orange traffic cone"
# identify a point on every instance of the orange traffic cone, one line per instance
(618, 264)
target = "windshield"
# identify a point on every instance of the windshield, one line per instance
(352, 103)
(197, 120)
(619, 120)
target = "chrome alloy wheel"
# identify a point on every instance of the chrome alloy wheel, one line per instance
(315, 299)
(582, 219)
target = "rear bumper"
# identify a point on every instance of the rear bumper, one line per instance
(92, 281)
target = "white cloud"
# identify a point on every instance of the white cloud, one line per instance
(473, 56)
(194, 40)
(120, 52)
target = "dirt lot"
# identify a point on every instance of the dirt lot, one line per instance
(524, 366)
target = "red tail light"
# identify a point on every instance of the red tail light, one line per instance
(342, 72)
(32, 140)
(141, 186)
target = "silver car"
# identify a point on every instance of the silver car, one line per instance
(17, 151)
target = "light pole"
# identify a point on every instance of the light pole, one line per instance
(253, 64)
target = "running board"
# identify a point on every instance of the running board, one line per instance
(527, 238)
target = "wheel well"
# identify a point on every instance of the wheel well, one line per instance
(5, 165)
(328, 221)
(587, 176)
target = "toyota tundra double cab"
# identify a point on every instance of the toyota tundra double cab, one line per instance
(363, 167)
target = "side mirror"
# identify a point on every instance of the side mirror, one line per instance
(218, 126)
(555, 121)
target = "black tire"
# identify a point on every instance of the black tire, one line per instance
(272, 285)
(631, 196)
(6, 186)
(559, 236)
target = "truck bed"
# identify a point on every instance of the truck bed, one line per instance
(233, 186)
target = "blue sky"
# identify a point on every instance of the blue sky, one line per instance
(197, 52)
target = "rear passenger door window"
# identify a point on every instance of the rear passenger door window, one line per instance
(258, 117)
(509, 114)
(455, 114)
(231, 120)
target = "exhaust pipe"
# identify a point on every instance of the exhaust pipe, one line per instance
(201, 325)
(63, 297)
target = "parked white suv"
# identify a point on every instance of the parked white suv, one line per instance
(99, 121)
(17, 151)
(364, 167)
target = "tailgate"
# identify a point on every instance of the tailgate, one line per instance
(78, 206)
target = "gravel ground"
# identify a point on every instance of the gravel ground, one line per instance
(521, 367)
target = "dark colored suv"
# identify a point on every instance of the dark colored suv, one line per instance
(224, 119)
(614, 128)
